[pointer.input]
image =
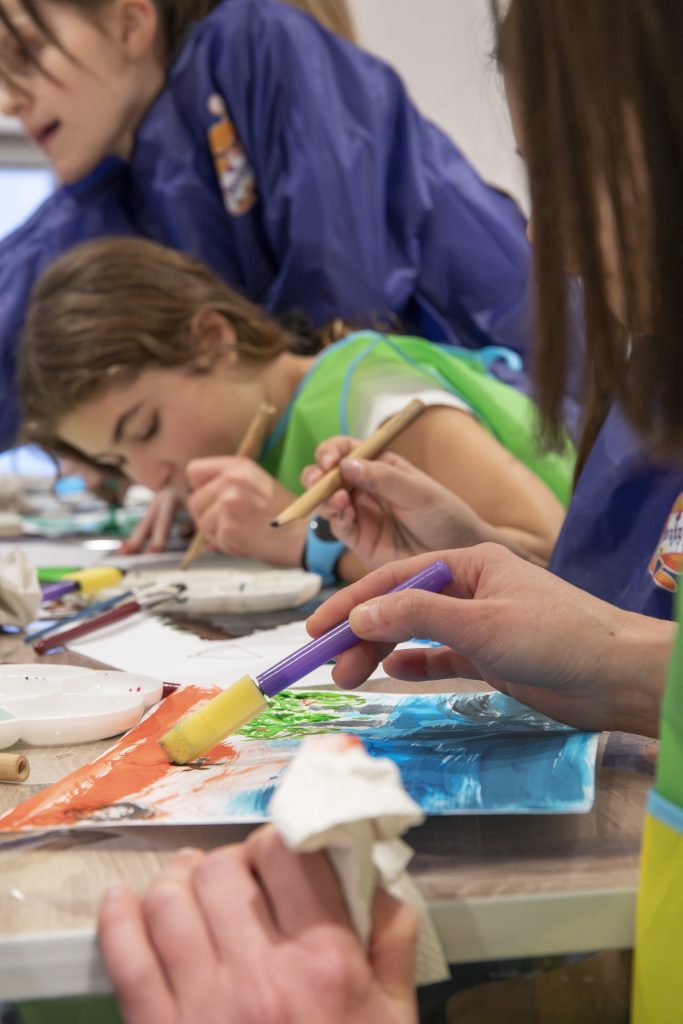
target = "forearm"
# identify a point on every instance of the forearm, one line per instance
(632, 665)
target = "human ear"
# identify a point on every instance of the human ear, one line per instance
(212, 333)
(137, 27)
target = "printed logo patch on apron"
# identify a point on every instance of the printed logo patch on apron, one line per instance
(667, 562)
(233, 170)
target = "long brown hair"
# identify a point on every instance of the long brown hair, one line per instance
(599, 84)
(176, 17)
(109, 309)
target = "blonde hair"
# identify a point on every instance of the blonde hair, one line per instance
(109, 309)
(334, 15)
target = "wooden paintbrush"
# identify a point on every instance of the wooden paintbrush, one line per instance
(250, 448)
(368, 449)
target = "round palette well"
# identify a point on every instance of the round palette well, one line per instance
(70, 705)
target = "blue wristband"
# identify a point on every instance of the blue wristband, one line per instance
(322, 551)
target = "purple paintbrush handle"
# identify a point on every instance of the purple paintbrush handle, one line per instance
(311, 656)
(53, 591)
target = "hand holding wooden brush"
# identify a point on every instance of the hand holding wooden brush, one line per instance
(368, 449)
(250, 448)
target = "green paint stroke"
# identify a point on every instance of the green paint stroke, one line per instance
(293, 715)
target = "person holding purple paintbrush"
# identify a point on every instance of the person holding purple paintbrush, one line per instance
(253, 934)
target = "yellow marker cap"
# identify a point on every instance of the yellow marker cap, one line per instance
(98, 577)
(212, 722)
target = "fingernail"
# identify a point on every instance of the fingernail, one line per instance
(328, 461)
(352, 468)
(188, 851)
(365, 617)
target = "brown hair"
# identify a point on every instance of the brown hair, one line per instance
(599, 84)
(176, 17)
(334, 15)
(109, 309)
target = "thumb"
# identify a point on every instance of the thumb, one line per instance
(410, 613)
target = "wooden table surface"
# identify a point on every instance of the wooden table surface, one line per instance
(498, 886)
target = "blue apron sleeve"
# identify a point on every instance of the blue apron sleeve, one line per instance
(71, 215)
(367, 205)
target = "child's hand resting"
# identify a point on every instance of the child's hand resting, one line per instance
(233, 502)
(390, 509)
(152, 532)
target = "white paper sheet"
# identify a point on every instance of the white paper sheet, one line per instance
(150, 646)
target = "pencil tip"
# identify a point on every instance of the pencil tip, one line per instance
(274, 522)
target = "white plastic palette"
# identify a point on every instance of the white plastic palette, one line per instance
(48, 705)
(218, 590)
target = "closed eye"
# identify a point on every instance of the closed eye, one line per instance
(152, 429)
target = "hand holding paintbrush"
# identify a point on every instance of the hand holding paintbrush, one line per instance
(250, 447)
(368, 449)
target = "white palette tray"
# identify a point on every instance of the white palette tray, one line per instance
(223, 590)
(49, 705)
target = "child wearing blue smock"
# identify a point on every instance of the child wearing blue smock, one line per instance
(288, 160)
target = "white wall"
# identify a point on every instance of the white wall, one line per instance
(442, 49)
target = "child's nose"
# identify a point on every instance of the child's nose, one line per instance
(153, 473)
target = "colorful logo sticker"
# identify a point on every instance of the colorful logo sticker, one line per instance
(667, 561)
(235, 173)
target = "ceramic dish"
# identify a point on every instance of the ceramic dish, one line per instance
(66, 718)
(40, 670)
(113, 682)
(72, 706)
(229, 590)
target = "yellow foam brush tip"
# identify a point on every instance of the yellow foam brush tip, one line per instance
(202, 729)
(98, 577)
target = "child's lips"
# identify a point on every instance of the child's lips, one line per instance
(45, 135)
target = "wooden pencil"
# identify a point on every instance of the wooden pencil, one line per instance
(14, 768)
(250, 447)
(368, 449)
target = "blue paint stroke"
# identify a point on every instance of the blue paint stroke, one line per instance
(461, 753)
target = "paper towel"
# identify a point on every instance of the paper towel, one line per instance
(335, 797)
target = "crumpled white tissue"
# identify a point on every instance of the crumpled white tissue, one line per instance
(335, 797)
(20, 593)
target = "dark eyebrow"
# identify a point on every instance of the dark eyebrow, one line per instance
(121, 422)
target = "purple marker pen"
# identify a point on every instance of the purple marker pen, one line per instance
(246, 698)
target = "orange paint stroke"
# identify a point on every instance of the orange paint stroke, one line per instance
(131, 765)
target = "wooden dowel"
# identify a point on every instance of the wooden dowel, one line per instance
(368, 449)
(250, 448)
(14, 768)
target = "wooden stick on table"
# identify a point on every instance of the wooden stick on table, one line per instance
(368, 449)
(14, 768)
(249, 448)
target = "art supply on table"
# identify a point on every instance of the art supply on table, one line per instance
(247, 698)
(159, 645)
(237, 587)
(55, 573)
(99, 621)
(48, 705)
(336, 797)
(84, 613)
(250, 448)
(19, 590)
(87, 581)
(368, 449)
(14, 768)
(454, 752)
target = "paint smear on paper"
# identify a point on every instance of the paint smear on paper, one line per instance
(457, 754)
